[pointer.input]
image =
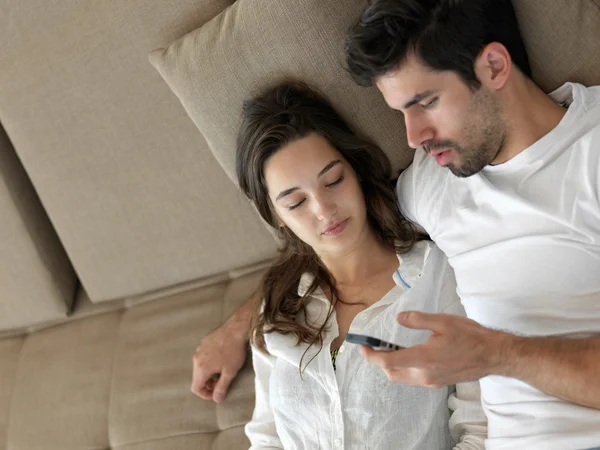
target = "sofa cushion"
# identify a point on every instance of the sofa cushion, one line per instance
(231, 439)
(10, 352)
(122, 379)
(247, 48)
(152, 377)
(136, 197)
(61, 397)
(37, 282)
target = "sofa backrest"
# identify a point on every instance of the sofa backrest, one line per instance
(37, 282)
(134, 194)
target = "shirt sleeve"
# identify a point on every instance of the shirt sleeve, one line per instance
(468, 423)
(261, 429)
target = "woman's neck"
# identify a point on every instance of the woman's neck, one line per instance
(369, 258)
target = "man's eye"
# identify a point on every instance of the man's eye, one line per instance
(291, 208)
(431, 103)
(336, 182)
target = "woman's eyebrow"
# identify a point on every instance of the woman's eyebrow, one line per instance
(328, 167)
(286, 192)
(323, 171)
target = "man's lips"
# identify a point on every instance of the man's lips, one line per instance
(335, 228)
(434, 153)
(442, 156)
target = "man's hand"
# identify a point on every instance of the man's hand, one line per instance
(458, 350)
(218, 359)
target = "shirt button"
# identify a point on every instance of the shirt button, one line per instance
(337, 442)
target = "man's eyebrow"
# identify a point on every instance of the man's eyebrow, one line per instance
(321, 173)
(418, 97)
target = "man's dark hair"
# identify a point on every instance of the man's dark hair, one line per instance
(443, 34)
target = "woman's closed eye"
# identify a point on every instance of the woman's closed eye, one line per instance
(295, 205)
(329, 185)
(336, 182)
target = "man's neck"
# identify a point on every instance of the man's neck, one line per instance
(530, 114)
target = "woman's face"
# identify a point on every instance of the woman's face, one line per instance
(316, 194)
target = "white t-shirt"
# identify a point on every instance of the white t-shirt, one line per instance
(356, 407)
(523, 238)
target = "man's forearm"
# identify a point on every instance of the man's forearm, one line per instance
(565, 368)
(239, 322)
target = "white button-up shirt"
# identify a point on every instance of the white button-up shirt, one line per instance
(356, 407)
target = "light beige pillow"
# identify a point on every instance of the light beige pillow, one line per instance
(255, 43)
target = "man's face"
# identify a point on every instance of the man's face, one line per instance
(464, 130)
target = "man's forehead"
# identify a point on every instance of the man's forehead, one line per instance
(411, 81)
(400, 91)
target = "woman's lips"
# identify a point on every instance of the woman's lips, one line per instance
(336, 228)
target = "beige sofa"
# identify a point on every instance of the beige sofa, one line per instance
(122, 240)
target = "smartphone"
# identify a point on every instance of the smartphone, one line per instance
(374, 343)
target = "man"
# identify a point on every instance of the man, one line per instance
(506, 180)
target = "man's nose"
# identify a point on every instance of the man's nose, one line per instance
(418, 131)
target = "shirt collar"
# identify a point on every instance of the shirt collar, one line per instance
(406, 275)
(412, 264)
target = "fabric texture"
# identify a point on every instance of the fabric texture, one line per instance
(136, 197)
(10, 351)
(356, 406)
(121, 380)
(37, 282)
(61, 396)
(562, 40)
(249, 47)
(531, 267)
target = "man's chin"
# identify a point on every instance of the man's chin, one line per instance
(462, 172)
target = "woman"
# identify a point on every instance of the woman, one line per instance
(349, 263)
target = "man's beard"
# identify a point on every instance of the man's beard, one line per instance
(486, 137)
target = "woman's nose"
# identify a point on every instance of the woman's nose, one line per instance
(324, 208)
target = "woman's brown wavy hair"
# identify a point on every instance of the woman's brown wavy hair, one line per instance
(281, 115)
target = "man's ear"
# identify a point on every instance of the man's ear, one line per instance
(493, 66)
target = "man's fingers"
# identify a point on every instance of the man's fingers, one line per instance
(401, 366)
(383, 359)
(200, 383)
(423, 321)
(394, 360)
(372, 356)
(222, 387)
(205, 393)
(201, 377)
